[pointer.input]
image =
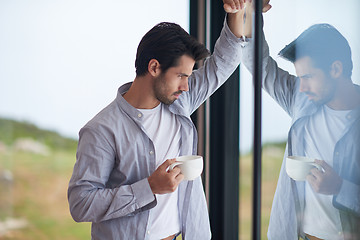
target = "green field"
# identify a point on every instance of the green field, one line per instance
(272, 155)
(39, 196)
(41, 163)
(41, 175)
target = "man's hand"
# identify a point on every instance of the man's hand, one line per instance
(162, 181)
(266, 6)
(240, 16)
(233, 6)
(326, 182)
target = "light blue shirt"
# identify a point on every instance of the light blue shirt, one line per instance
(288, 204)
(109, 185)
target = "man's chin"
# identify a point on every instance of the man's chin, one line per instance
(314, 98)
(167, 101)
(319, 101)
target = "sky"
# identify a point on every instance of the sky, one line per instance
(62, 61)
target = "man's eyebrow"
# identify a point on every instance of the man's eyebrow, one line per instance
(305, 76)
(184, 75)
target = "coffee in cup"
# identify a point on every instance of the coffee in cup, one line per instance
(190, 166)
(298, 167)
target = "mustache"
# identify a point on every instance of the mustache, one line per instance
(310, 93)
(178, 92)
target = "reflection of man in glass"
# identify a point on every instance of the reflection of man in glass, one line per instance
(324, 105)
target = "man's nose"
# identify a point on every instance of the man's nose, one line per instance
(303, 86)
(184, 85)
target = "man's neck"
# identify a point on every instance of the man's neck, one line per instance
(347, 96)
(141, 95)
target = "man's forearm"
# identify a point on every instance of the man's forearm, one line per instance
(240, 23)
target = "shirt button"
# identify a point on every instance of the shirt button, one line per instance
(337, 153)
(139, 115)
(151, 152)
(148, 232)
(349, 117)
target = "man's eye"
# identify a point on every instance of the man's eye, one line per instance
(306, 77)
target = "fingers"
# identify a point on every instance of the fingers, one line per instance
(316, 173)
(326, 182)
(315, 178)
(162, 184)
(239, 4)
(179, 177)
(166, 164)
(230, 8)
(174, 172)
(233, 6)
(165, 180)
(324, 165)
(174, 177)
(311, 179)
(266, 8)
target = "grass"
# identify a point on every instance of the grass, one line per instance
(39, 196)
(40, 185)
(11, 130)
(271, 162)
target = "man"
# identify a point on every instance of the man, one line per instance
(120, 181)
(324, 105)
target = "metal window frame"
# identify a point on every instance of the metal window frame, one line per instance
(218, 125)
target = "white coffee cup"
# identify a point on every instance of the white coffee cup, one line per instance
(190, 166)
(299, 167)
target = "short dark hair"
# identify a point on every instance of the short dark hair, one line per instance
(167, 42)
(324, 44)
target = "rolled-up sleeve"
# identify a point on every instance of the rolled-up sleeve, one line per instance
(217, 68)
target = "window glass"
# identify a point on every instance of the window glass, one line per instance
(283, 23)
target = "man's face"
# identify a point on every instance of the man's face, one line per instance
(314, 82)
(169, 85)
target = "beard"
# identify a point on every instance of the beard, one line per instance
(328, 92)
(160, 91)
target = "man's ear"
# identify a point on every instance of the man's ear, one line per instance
(154, 67)
(336, 69)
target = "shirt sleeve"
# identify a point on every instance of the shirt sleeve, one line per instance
(89, 198)
(225, 58)
(278, 83)
(348, 198)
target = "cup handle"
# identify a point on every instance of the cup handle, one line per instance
(318, 167)
(173, 165)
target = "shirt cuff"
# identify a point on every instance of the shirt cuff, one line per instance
(244, 41)
(143, 194)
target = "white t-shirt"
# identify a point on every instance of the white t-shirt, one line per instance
(323, 130)
(163, 128)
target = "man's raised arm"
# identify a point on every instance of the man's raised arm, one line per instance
(240, 16)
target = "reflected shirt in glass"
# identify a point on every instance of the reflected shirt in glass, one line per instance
(288, 204)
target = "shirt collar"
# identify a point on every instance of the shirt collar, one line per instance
(124, 105)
